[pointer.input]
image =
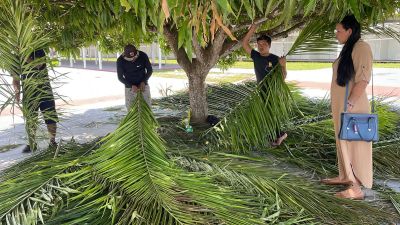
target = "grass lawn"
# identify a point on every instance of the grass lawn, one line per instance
(212, 77)
(290, 65)
(311, 65)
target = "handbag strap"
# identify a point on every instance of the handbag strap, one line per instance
(373, 99)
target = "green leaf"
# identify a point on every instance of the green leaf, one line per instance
(310, 7)
(126, 5)
(143, 16)
(225, 6)
(259, 4)
(182, 34)
(355, 9)
(249, 9)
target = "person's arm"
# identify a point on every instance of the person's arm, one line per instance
(357, 90)
(362, 61)
(149, 72)
(282, 62)
(120, 73)
(17, 88)
(246, 39)
(149, 69)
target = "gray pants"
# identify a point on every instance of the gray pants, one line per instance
(130, 96)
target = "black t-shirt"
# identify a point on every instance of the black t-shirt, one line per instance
(38, 77)
(263, 64)
(134, 72)
(39, 72)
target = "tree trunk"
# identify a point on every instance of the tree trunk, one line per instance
(196, 68)
(198, 97)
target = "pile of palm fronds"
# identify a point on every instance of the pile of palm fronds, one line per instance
(130, 179)
(311, 142)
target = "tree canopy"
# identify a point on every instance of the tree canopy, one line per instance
(78, 22)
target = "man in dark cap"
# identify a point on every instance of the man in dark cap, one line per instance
(37, 94)
(134, 70)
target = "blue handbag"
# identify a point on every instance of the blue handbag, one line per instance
(359, 126)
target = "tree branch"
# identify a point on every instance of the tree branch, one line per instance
(213, 51)
(285, 33)
(171, 35)
(198, 50)
(230, 46)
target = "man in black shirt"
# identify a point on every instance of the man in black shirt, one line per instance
(264, 62)
(134, 70)
(37, 94)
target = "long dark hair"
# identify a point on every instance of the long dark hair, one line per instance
(346, 67)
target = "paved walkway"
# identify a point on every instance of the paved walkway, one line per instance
(110, 66)
(387, 81)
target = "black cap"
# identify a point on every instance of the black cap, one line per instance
(130, 51)
(37, 54)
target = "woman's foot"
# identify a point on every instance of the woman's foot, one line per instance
(336, 181)
(353, 192)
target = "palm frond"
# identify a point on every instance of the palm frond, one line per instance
(293, 198)
(134, 159)
(33, 190)
(311, 143)
(316, 36)
(257, 119)
(384, 31)
(20, 35)
(396, 203)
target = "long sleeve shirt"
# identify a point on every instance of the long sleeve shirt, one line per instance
(134, 72)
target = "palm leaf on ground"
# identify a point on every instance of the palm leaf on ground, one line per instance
(33, 190)
(396, 202)
(131, 175)
(311, 143)
(273, 185)
(156, 187)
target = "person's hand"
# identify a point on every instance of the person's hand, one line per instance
(134, 88)
(282, 61)
(253, 27)
(142, 86)
(350, 106)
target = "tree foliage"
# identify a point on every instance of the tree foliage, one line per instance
(81, 22)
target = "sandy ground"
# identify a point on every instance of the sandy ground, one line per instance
(96, 103)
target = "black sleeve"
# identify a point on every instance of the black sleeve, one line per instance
(276, 60)
(120, 72)
(254, 54)
(149, 68)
